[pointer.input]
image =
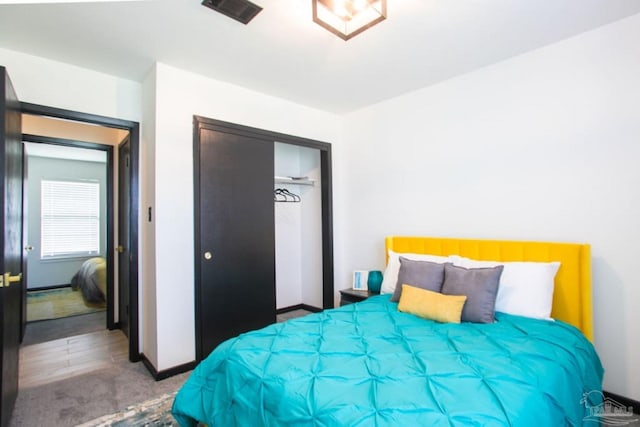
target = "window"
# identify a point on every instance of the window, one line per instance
(70, 218)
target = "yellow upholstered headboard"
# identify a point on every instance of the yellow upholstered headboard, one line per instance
(572, 294)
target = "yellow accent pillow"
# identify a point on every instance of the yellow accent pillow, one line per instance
(431, 305)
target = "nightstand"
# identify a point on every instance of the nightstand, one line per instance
(349, 296)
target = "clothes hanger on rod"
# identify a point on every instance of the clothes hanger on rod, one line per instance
(283, 195)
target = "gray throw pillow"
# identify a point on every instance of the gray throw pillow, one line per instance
(480, 285)
(420, 274)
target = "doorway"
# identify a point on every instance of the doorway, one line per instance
(114, 316)
(67, 212)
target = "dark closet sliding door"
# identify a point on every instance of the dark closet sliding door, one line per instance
(235, 255)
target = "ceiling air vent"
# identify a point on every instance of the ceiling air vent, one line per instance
(240, 10)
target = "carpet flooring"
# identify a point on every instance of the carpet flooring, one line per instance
(151, 413)
(57, 303)
(83, 398)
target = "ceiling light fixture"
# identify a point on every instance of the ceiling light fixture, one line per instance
(348, 18)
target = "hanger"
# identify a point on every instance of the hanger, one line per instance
(284, 195)
(294, 196)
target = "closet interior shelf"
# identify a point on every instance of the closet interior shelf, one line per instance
(293, 180)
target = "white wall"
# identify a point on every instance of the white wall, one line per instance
(542, 147)
(56, 84)
(311, 228)
(180, 95)
(147, 255)
(288, 217)
(288, 253)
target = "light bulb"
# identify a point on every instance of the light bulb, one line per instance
(340, 8)
(360, 5)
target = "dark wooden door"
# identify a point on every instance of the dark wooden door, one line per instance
(235, 236)
(11, 248)
(124, 233)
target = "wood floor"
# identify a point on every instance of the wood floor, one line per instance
(51, 361)
(68, 357)
(291, 315)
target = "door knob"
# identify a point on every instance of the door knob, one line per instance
(208, 255)
(120, 249)
(28, 248)
(7, 279)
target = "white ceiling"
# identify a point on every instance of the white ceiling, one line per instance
(284, 54)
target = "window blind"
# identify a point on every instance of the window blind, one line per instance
(70, 218)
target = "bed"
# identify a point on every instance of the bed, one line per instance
(91, 280)
(369, 364)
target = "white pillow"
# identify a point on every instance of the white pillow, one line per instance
(526, 288)
(390, 279)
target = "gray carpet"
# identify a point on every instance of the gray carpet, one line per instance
(77, 400)
(49, 330)
(84, 398)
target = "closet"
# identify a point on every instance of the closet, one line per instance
(298, 227)
(263, 228)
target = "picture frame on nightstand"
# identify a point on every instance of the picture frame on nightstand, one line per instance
(360, 280)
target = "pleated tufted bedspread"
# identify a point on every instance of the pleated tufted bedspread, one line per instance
(367, 364)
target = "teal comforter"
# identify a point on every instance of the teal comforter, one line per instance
(367, 364)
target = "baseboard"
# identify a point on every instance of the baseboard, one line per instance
(298, 307)
(311, 308)
(288, 309)
(625, 401)
(49, 288)
(135, 358)
(112, 326)
(161, 375)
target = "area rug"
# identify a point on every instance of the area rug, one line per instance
(152, 413)
(57, 303)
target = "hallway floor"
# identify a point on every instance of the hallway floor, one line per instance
(76, 379)
(49, 330)
(63, 358)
